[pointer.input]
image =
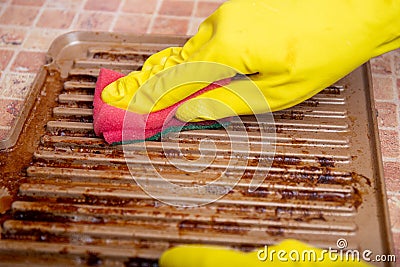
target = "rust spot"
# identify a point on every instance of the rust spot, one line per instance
(290, 115)
(359, 177)
(226, 227)
(286, 160)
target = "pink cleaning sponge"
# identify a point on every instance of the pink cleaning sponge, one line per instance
(118, 125)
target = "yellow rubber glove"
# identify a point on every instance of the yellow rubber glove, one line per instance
(287, 253)
(297, 48)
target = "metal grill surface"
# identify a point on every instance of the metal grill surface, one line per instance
(78, 204)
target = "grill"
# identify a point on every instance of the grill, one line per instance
(75, 201)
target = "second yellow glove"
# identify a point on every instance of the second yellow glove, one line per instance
(287, 253)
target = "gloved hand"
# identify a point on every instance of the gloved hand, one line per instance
(294, 48)
(208, 256)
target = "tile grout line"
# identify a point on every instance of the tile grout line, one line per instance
(389, 128)
(153, 17)
(2, 127)
(11, 98)
(5, 6)
(116, 14)
(192, 18)
(390, 159)
(79, 10)
(393, 193)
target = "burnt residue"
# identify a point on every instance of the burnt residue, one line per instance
(140, 262)
(357, 197)
(326, 162)
(311, 103)
(333, 90)
(308, 175)
(38, 216)
(135, 57)
(290, 115)
(35, 235)
(310, 217)
(275, 231)
(259, 192)
(299, 214)
(54, 217)
(89, 199)
(83, 78)
(316, 196)
(286, 160)
(221, 227)
(76, 133)
(359, 178)
(78, 118)
(109, 201)
(93, 259)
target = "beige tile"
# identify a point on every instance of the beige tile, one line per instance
(19, 15)
(166, 25)
(387, 114)
(396, 241)
(382, 64)
(396, 59)
(5, 57)
(4, 133)
(206, 8)
(41, 39)
(9, 111)
(16, 85)
(383, 87)
(398, 89)
(27, 61)
(109, 5)
(95, 21)
(394, 210)
(392, 172)
(132, 23)
(56, 18)
(66, 4)
(28, 2)
(390, 143)
(176, 8)
(140, 6)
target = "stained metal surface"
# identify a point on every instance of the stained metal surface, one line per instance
(76, 202)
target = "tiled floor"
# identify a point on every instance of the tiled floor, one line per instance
(27, 27)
